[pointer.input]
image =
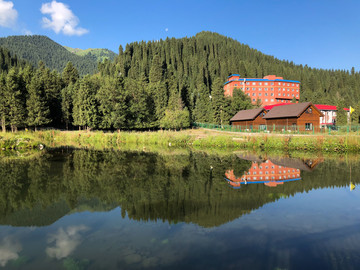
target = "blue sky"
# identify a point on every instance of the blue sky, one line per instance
(319, 33)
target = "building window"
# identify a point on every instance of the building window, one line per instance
(279, 83)
(254, 89)
(288, 90)
(288, 84)
(272, 83)
(272, 94)
(247, 88)
(283, 89)
(293, 95)
(247, 83)
(292, 84)
(266, 100)
(235, 84)
(308, 126)
(259, 83)
(259, 94)
(266, 89)
(272, 100)
(265, 94)
(254, 94)
(292, 90)
(272, 89)
(283, 84)
(266, 83)
(253, 83)
(254, 99)
(260, 89)
(309, 110)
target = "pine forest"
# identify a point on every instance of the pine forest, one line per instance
(165, 84)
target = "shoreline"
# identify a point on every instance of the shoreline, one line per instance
(193, 138)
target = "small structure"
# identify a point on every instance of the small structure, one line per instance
(301, 116)
(249, 119)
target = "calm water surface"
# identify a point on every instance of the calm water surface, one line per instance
(82, 209)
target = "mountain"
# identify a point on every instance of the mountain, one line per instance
(41, 48)
(99, 55)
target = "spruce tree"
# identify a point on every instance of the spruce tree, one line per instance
(85, 110)
(38, 110)
(70, 74)
(217, 101)
(15, 99)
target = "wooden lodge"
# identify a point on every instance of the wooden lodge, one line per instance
(301, 116)
(249, 119)
(295, 117)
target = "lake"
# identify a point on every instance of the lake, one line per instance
(87, 209)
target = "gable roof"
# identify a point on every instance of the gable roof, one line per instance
(247, 114)
(293, 110)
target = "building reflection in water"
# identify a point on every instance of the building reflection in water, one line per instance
(272, 172)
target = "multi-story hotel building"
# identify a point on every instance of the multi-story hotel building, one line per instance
(269, 90)
(267, 173)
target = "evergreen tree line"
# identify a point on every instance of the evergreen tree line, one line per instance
(159, 84)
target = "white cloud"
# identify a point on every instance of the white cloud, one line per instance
(8, 15)
(9, 251)
(62, 19)
(66, 241)
(166, 29)
(26, 32)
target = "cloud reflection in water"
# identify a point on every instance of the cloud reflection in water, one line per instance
(66, 241)
(9, 250)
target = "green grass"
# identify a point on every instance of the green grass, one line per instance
(197, 139)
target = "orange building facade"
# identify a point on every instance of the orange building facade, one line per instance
(269, 90)
(267, 173)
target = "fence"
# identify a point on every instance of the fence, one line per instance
(330, 130)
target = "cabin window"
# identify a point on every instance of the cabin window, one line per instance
(308, 126)
(262, 127)
(309, 110)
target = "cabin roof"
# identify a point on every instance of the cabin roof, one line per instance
(293, 110)
(247, 114)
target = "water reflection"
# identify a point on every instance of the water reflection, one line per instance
(136, 210)
(269, 172)
(181, 187)
(9, 250)
(65, 241)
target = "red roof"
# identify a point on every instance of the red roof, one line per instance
(323, 107)
(320, 107)
(269, 107)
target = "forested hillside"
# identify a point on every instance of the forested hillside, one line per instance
(159, 84)
(8, 61)
(41, 48)
(97, 55)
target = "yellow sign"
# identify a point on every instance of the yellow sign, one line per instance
(352, 186)
(351, 110)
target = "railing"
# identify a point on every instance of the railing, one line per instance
(283, 129)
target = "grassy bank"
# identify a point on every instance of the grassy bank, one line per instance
(195, 138)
